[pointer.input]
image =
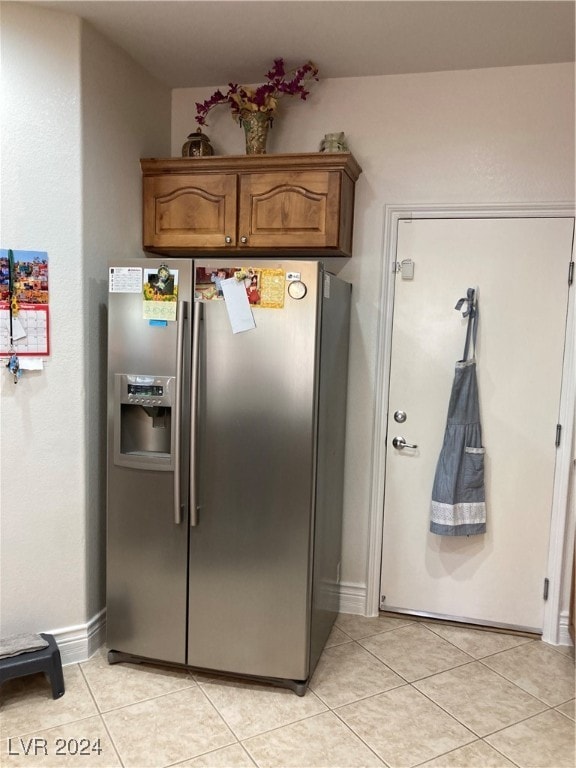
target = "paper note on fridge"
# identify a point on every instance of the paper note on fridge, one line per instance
(237, 305)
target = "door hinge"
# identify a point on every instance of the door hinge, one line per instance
(546, 587)
(570, 273)
(558, 433)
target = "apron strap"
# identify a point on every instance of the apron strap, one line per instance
(472, 314)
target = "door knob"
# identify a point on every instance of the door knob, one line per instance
(400, 443)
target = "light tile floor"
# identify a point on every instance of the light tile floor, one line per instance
(386, 692)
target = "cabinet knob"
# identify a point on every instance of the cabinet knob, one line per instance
(243, 239)
(227, 239)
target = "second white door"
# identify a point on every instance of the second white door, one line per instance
(520, 267)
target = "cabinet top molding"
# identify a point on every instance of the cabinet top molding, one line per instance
(327, 161)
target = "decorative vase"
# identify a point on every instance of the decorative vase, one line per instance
(256, 125)
(197, 145)
(334, 142)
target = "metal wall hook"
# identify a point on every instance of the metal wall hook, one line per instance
(471, 300)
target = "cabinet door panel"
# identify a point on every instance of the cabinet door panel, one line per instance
(290, 209)
(190, 211)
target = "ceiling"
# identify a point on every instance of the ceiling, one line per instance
(187, 43)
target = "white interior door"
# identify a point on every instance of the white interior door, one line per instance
(520, 267)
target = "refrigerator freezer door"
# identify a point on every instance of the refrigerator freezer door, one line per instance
(147, 548)
(250, 563)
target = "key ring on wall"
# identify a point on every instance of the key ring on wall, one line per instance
(13, 363)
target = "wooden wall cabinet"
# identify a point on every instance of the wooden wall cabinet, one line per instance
(297, 204)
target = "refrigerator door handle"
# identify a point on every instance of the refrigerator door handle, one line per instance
(198, 316)
(182, 313)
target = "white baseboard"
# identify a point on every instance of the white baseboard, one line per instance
(80, 642)
(563, 631)
(352, 598)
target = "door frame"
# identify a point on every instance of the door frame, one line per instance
(555, 625)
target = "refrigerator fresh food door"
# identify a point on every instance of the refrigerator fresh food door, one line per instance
(147, 492)
(250, 553)
(333, 388)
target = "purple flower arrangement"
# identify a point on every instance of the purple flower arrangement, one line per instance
(265, 97)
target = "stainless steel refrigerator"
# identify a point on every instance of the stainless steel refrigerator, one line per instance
(225, 465)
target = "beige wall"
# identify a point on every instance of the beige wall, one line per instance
(76, 116)
(482, 136)
(43, 431)
(127, 119)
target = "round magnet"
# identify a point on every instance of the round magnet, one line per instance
(297, 289)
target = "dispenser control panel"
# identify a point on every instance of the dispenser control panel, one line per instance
(139, 389)
(145, 390)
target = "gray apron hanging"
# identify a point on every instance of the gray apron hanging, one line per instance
(458, 500)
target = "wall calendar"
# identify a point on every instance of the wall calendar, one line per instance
(30, 330)
(24, 314)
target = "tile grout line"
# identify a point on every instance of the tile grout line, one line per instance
(65, 722)
(378, 632)
(524, 690)
(525, 640)
(220, 716)
(382, 662)
(362, 698)
(208, 701)
(563, 713)
(285, 725)
(477, 737)
(210, 752)
(499, 751)
(374, 695)
(149, 698)
(329, 710)
(491, 733)
(556, 648)
(52, 727)
(523, 720)
(436, 635)
(349, 727)
(478, 741)
(470, 660)
(547, 708)
(114, 747)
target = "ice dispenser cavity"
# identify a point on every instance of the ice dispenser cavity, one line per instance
(144, 432)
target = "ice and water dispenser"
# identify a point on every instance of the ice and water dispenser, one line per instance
(144, 421)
